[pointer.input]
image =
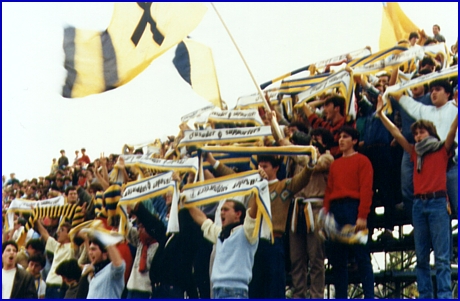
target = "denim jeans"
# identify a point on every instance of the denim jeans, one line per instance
(452, 188)
(407, 183)
(337, 253)
(432, 229)
(268, 272)
(229, 293)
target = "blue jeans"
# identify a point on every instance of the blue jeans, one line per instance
(452, 188)
(229, 293)
(407, 183)
(337, 253)
(432, 229)
(268, 272)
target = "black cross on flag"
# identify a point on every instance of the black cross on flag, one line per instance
(146, 19)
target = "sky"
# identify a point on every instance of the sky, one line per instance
(274, 38)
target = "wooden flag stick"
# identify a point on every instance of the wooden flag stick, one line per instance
(278, 133)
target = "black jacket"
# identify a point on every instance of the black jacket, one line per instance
(23, 285)
(172, 263)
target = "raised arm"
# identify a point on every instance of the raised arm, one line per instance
(38, 226)
(451, 134)
(114, 255)
(394, 131)
(198, 216)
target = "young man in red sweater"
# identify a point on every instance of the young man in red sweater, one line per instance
(348, 197)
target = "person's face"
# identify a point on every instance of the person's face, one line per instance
(95, 254)
(418, 91)
(72, 197)
(420, 134)
(62, 235)
(329, 111)
(292, 130)
(34, 268)
(413, 41)
(439, 97)
(435, 30)
(9, 256)
(62, 154)
(383, 80)
(31, 251)
(345, 142)
(30, 190)
(269, 170)
(76, 153)
(228, 214)
(168, 199)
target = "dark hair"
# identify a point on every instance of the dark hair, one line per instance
(352, 132)
(413, 34)
(69, 189)
(426, 125)
(238, 207)
(96, 187)
(7, 243)
(300, 126)
(69, 269)
(66, 225)
(439, 27)
(337, 101)
(40, 258)
(430, 41)
(444, 83)
(427, 60)
(300, 138)
(36, 244)
(97, 242)
(328, 138)
(275, 161)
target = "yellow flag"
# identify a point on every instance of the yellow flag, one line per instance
(138, 33)
(395, 25)
(195, 64)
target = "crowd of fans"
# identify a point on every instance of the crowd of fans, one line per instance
(362, 163)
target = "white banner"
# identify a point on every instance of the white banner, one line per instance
(188, 164)
(225, 135)
(254, 100)
(22, 205)
(339, 79)
(231, 186)
(444, 73)
(353, 55)
(391, 61)
(196, 113)
(236, 116)
(147, 188)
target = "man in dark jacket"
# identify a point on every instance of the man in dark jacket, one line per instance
(171, 271)
(17, 283)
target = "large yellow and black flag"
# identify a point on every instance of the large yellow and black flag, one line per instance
(138, 33)
(195, 64)
(396, 25)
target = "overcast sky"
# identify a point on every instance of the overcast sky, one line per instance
(275, 38)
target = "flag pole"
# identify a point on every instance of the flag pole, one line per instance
(277, 131)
